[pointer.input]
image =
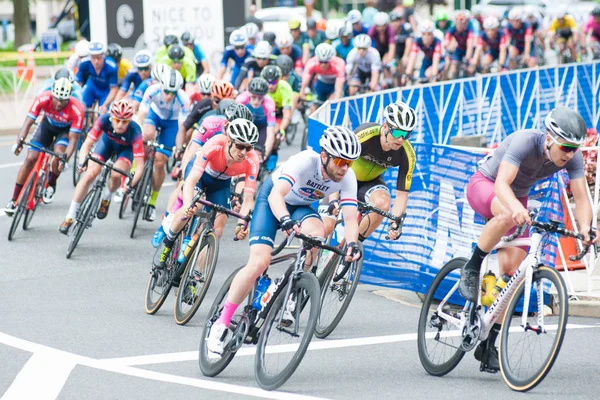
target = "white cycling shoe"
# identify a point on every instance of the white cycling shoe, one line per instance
(216, 340)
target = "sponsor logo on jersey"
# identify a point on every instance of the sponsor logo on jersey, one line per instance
(311, 193)
(316, 185)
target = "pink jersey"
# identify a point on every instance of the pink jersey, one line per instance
(592, 26)
(211, 126)
(336, 69)
(261, 115)
(212, 160)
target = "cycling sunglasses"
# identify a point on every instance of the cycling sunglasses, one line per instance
(241, 147)
(143, 68)
(239, 47)
(566, 147)
(399, 133)
(275, 82)
(173, 92)
(177, 61)
(261, 58)
(119, 120)
(341, 162)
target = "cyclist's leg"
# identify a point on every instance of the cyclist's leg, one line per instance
(42, 137)
(218, 191)
(60, 146)
(513, 53)
(167, 137)
(374, 192)
(532, 61)
(310, 224)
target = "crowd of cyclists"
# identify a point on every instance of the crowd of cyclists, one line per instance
(224, 126)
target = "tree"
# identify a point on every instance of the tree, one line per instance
(22, 22)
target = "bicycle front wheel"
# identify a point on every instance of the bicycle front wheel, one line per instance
(272, 367)
(439, 336)
(196, 278)
(124, 204)
(21, 207)
(143, 197)
(37, 197)
(84, 218)
(529, 347)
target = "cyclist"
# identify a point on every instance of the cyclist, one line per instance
(355, 19)
(98, 77)
(143, 64)
(263, 111)
(563, 31)
(238, 51)
(343, 44)
(329, 71)
(460, 39)
(270, 38)
(383, 37)
(286, 65)
(164, 107)
(493, 43)
(521, 41)
(442, 22)
(155, 77)
(431, 46)
(82, 50)
(177, 60)
(315, 38)
(498, 192)
(300, 38)
(168, 41)
(219, 91)
(204, 83)
(113, 133)
(261, 57)
(285, 45)
(284, 202)
(332, 31)
(63, 115)
(283, 96)
(591, 31)
(202, 66)
(115, 52)
(363, 64)
(532, 17)
(211, 170)
(252, 32)
(76, 91)
(404, 39)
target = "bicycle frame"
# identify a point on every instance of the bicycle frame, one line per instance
(40, 169)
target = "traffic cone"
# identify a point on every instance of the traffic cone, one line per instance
(20, 65)
(569, 245)
(29, 71)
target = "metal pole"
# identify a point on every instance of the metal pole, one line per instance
(325, 8)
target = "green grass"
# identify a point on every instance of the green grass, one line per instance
(40, 62)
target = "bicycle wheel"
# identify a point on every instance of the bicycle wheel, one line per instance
(171, 162)
(124, 204)
(161, 281)
(196, 278)
(527, 354)
(272, 368)
(77, 175)
(144, 195)
(37, 197)
(215, 367)
(437, 333)
(336, 295)
(21, 206)
(290, 133)
(304, 144)
(85, 216)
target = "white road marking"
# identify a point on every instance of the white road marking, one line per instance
(16, 164)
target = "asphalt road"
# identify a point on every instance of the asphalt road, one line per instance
(76, 329)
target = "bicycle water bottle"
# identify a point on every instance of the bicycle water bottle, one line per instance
(500, 284)
(190, 245)
(487, 287)
(261, 287)
(266, 297)
(184, 246)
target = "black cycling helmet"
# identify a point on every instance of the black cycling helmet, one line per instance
(311, 24)
(285, 63)
(271, 73)
(596, 12)
(566, 124)
(270, 37)
(176, 52)
(64, 73)
(187, 38)
(258, 86)
(114, 51)
(170, 39)
(234, 110)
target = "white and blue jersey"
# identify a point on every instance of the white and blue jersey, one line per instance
(230, 53)
(77, 92)
(138, 93)
(198, 53)
(97, 85)
(132, 78)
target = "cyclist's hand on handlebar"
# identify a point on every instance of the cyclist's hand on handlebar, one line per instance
(521, 216)
(289, 225)
(18, 147)
(241, 231)
(590, 236)
(188, 212)
(394, 231)
(334, 208)
(353, 252)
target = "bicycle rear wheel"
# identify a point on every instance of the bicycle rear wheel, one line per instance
(21, 207)
(272, 368)
(124, 204)
(84, 218)
(77, 175)
(144, 195)
(439, 339)
(196, 278)
(37, 197)
(528, 353)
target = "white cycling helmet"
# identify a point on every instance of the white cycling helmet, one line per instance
(61, 89)
(340, 142)
(381, 19)
(205, 83)
(515, 14)
(238, 38)
(346, 29)
(461, 15)
(243, 131)
(171, 80)
(142, 59)
(96, 48)
(332, 30)
(491, 23)
(354, 16)
(262, 49)
(324, 52)
(284, 40)
(158, 71)
(251, 30)
(529, 11)
(399, 115)
(82, 48)
(362, 41)
(426, 26)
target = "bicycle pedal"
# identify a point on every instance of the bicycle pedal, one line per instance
(484, 368)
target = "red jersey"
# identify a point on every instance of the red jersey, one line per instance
(70, 116)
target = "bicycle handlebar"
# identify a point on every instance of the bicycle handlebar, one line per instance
(61, 157)
(106, 164)
(399, 220)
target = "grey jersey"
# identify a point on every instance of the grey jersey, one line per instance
(525, 150)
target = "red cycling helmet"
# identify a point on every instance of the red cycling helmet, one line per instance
(121, 109)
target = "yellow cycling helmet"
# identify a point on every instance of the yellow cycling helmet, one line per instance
(408, 3)
(294, 24)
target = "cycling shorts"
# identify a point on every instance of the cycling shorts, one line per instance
(218, 191)
(91, 94)
(168, 131)
(365, 189)
(105, 148)
(522, 50)
(362, 76)
(323, 90)
(266, 226)
(46, 134)
(458, 55)
(426, 63)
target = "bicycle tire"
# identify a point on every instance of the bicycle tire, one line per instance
(170, 162)
(210, 241)
(124, 204)
(344, 293)
(76, 174)
(431, 366)
(151, 306)
(507, 335)
(146, 187)
(37, 197)
(21, 206)
(84, 218)
(304, 144)
(290, 133)
(208, 367)
(306, 282)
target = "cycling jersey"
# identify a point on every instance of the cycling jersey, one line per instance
(251, 64)
(198, 53)
(124, 67)
(312, 43)
(493, 45)
(104, 80)
(568, 24)
(374, 161)
(404, 32)
(525, 149)
(199, 111)
(69, 117)
(163, 52)
(264, 114)
(462, 37)
(73, 63)
(177, 109)
(126, 145)
(449, 24)
(428, 51)
(335, 70)
(210, 127)
(282, 96)
(518, 37)
(295, 55)
(230, 53)
(188, 68)
(76, 92)
(382, 46)
(303, 38)
(592, 26)
(370, 62)
(342, 51)
(475, 27)
(363, 29)
(138, 93)
(132, 78)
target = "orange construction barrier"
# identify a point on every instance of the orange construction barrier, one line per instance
(20, 65)
(569, 245)
(30, 70)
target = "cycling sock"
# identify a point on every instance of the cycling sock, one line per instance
(494, 334)
(153, 197)
(73, 210)
(228, 311)
(170, 235)
(17, 191)
(52, 177)
(474, 263)
(107, 194)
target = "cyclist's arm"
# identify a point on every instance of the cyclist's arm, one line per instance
(138, 156)
(190, 150)
(506, 175)
(583, 209)
(241, 76)
(305, 53)
(407, 47)
(287, 96)
(503, 51)
(286, 118)
(400, 202)
(339, 88)
(349, 206)
(205, 67)
(221, 72)
(374, 79)
(414, 52)
(389, 56)
(29, 121)
(276, 199)
(528, 42)
(110, 97)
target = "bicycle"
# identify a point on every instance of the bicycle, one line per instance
(542, 316)
(33, 189)
(252, 326)
(88, 123)
(338, 281)
(91, 202)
